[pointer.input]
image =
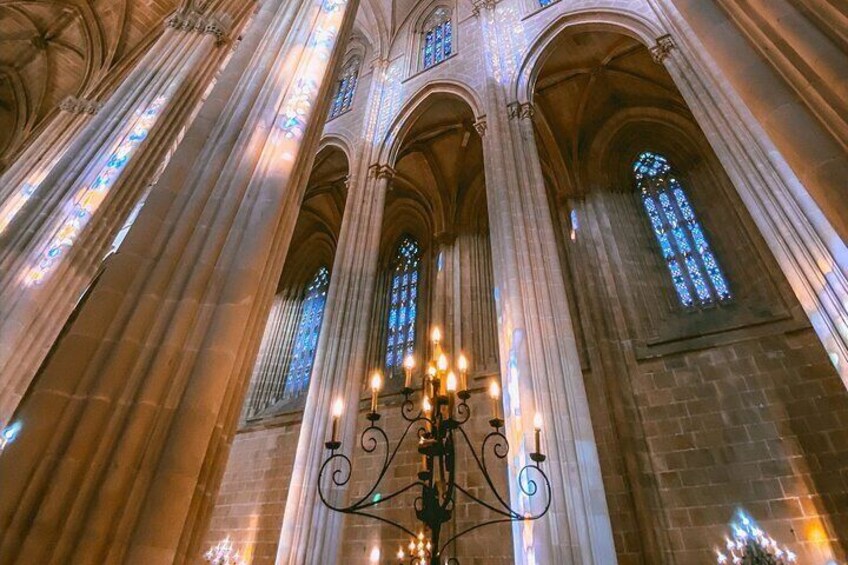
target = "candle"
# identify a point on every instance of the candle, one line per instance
(376, 383)
(427, 407)
(423, 456)
(408, 365)
(431, 374)
(451, 387)
(442, 363)
(400, 555)
(495, 394)
(462, 365)
(436, 335)
(537, 426)
(337, 413)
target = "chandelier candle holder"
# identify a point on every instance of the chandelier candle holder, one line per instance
(752, 546)
(437, 424)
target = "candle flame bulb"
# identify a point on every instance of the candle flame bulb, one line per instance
(442, 363)
(537, 426)
(451, 382)
(462, 363)
(421, 536)
(375, 555)
(425, 404)
(409, 362)
(338, 406)
(431, 370)
(495, 394)
(401, 554)
(537, 421)
(436, 334)
(376, 381)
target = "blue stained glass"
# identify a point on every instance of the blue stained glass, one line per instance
(688, 245)
(306, 336)
(402, 300)
(438, 37)
(343, 98)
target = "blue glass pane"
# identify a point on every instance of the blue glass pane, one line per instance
(402, 303)
(306, 336)
(692, 265)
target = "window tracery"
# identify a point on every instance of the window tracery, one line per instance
(437, 41)
(306, 336)
(345, 88)
(403, 305)
(695, 272)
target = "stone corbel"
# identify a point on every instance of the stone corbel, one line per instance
(74, 105)
(520, 110)
(478, 5)
(378, 172)
(219, 26)
(480, 126)
(660, 51)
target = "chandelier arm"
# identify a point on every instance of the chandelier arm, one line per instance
(472, 528)
(512, 514)
(387, 461)
(360, 505)
(481, 463)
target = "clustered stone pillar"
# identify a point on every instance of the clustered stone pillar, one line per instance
(311, 532)
(540, 367)
(56, 241)
(27, 171)
(126, 431)
(810, 252)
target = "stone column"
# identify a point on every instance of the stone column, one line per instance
(310, 531)
(126, 431)
(808, 249)
(55, 243)
(23, 177)
(540, 367)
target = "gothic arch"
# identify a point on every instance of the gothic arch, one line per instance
(415, 106)
(619, 21)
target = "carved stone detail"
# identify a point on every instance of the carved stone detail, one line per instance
(189, 22)
(660, 51)
(480, 126)
(381, 172)
(478, 5)
(74, 105)
(520, 110)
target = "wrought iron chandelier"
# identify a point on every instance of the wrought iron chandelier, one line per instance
(437, 424)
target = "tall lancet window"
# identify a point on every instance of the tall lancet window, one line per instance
(345, 88)
(306, 337)
(437, 44)
(696, 274)
(403, 306)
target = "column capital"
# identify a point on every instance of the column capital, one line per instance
(219, 26)
(478, 5)
(74, 105)
(665, 43)
(520, 110)
(379, 171)
(480, 125)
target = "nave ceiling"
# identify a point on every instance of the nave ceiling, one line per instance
(50, 50)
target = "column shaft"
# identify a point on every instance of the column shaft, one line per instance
(127, 429)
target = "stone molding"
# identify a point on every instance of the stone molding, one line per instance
(481, 126)
(520, 110)
(665, 43)
(478, 5)
(74, 105)
(378, 171)
(192, 22)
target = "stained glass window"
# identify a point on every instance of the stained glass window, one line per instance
(345, 88)
(306, 337)
(438, 38)
(403, 306)
(695, 272)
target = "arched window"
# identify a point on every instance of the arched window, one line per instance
(306, 337)
(544, 3)
(697, 277)
(403, 305)
(437, 41)
(345, 88)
